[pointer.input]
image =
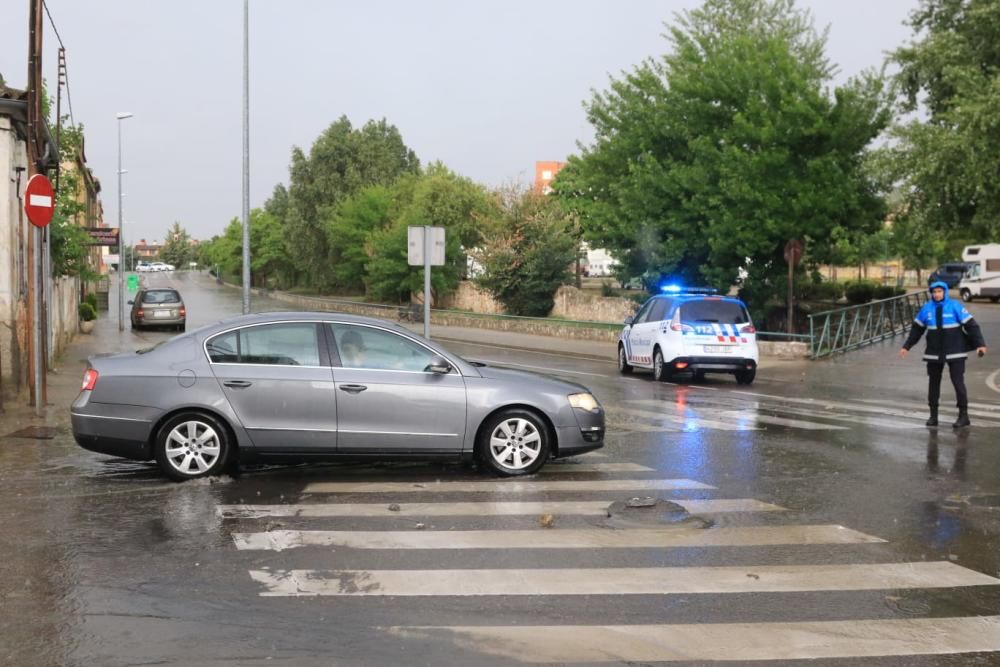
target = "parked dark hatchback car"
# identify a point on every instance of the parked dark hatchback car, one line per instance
(308, 386)
(950, 274)
(158, 307)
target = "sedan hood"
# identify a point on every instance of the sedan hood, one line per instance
(511, 375)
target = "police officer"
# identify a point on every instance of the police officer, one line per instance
(951, 333)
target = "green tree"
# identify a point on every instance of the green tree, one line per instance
(949, 158)
(350, 233)
(342, 161)
(708, 160)
(526, 252)
(177, 249)
(436, 197)
(70, 242)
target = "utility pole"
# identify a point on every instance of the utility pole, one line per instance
(36, 125)
(246, 156)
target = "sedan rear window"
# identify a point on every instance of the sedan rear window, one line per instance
(161, 296)
(723, 312)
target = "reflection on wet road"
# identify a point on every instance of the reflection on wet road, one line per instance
(798, 519)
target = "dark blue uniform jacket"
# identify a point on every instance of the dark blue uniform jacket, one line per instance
(950, 328)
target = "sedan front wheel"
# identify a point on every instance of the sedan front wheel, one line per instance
(191, 445)
(514, 442)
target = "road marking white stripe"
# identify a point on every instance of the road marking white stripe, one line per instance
(740, 642)
(690, 422)
(621, 581)
(847, 406)
(749, 417)
(506, 487)
(570, 466)
(582, 508)
(975, 409)
(740, 403)
(539, 538)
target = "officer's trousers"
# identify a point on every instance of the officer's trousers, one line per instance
(956, 369)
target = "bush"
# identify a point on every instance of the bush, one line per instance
(91, 298)
(860, 291)
(87, 312)
(888, 291)
(607, 289)
(822, 291)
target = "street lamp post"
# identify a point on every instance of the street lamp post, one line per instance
(246, 156)
(122, 115)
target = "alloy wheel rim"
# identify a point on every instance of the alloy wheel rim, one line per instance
(658, 362)
(515, 443)
(192, 447)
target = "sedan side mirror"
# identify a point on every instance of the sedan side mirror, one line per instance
(438, 366)
(628, 321)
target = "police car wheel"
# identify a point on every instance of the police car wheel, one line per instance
(623, 366)
(966, 296)
(660, 372)
(699, 376)
(746, 377)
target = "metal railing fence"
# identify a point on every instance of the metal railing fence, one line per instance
(846, 329)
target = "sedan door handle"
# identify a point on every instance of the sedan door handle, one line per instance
(353, 388)
(237, 384)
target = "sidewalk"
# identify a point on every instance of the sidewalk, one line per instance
(64, 378)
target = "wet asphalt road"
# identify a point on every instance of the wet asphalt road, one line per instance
(103, 562)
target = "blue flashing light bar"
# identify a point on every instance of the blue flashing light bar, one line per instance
(677, 289)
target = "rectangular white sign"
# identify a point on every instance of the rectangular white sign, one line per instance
(111, 259)
(415, 246)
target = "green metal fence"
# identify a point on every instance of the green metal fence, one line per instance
(846, 329)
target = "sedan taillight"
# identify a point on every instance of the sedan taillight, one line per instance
(183, 311)
(90, 379)
(748, 329)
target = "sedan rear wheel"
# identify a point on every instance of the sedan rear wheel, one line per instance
(514, 442)
(191, 445)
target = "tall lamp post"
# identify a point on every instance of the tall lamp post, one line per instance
(246, 156)
(121, 115)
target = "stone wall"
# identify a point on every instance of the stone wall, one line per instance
(574, 304)
(470, 297)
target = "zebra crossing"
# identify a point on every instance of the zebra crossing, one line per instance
(738, 411)
(324, 562)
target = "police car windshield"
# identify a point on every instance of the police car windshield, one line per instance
(722, 312)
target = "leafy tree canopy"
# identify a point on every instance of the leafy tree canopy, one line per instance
(342, 161)
(707, 160)
(949, 159)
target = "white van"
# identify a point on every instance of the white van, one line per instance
(983, 277)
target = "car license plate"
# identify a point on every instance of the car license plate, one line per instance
(718, 349)
(161, 313)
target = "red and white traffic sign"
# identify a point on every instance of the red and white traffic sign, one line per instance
(39, 200)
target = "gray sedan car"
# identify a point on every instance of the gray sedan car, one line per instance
(316, 386)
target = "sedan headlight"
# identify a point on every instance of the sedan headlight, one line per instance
(584, 402)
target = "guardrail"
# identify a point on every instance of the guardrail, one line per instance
(846, 329)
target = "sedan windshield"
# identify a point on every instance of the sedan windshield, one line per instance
(161, 296)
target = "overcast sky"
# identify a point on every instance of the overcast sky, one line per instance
(486, 87)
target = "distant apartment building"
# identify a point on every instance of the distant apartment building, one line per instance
(147, 251)
(598, 261)
(545, 172)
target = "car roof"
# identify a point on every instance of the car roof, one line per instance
(293, 316)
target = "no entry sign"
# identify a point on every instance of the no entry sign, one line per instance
(39, 200)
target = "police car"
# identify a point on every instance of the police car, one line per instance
(690, 330)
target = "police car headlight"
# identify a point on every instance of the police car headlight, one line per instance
(585, 402)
